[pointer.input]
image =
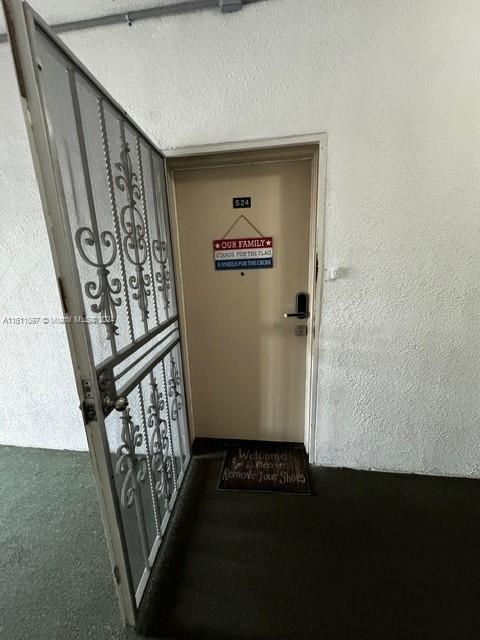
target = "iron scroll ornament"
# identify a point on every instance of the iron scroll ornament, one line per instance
(174, 384)
(162, 277)
(105, 290)
(159, 446)
(131, 221)
(131, 466)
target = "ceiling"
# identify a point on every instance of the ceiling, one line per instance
(57, 11)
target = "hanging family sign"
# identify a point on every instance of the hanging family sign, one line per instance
(243, 253)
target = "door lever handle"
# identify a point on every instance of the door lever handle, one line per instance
(302, 307)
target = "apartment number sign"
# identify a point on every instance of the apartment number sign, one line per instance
(244, 202)
(243, 253)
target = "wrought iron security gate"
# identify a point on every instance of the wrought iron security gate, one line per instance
(104, 195)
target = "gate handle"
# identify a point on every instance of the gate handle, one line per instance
(302, 307)
(120, 403)
(110, 400)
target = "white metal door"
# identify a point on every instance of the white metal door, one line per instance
(102, 183)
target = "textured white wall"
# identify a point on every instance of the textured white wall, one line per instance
(38, 401)
(397, 88)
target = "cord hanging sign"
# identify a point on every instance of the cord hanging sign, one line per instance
(243, 253)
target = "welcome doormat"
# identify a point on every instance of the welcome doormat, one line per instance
(280, 468)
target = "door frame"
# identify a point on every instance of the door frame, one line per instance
(316, 251)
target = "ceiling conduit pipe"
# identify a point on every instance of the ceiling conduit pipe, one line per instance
(130, 17)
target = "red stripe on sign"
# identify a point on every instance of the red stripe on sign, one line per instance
(243, 243)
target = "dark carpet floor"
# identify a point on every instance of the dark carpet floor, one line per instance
(369, 555)
(55, 577)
